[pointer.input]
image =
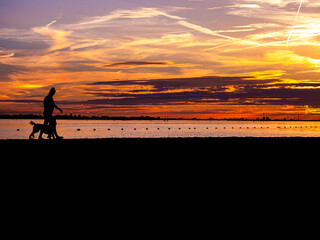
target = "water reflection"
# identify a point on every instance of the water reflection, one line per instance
(21, 129)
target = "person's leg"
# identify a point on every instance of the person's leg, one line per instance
(55, 130)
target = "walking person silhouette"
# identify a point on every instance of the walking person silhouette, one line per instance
(49, 106)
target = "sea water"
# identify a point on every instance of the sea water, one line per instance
(77, 129)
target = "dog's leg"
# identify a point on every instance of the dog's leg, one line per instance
(31, 135)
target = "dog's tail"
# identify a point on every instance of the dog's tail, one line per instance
(32, 123)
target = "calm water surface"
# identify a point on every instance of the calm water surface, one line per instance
(21, 129)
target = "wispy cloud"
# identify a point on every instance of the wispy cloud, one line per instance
(135, 64)
(59, 37)
(141, 13)
(236, 6)
(5, 55)
(124, 14)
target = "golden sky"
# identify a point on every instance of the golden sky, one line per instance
(179, 58)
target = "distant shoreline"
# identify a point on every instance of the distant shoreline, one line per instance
(80, 117)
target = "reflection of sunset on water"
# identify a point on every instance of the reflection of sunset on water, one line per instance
(94, 129)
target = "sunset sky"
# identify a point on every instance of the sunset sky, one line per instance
(177, 58)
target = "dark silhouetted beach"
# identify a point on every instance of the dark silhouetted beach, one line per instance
(109, 146)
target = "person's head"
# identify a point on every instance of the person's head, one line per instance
(52, 91)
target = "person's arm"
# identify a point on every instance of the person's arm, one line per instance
(58, 108)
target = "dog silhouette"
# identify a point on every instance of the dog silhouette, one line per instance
(47, 129)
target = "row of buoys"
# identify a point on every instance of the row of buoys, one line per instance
(297, 127)
(207, 128)
(122, 129)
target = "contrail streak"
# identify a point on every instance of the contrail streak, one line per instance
(267, 44)
(54, 21)
(213, 33)
(294, 23)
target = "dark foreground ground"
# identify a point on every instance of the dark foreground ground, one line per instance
(164, 141)
(237, 172)
(162, 146)
(136, 154)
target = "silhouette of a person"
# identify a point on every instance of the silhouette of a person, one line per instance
(49, 106)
